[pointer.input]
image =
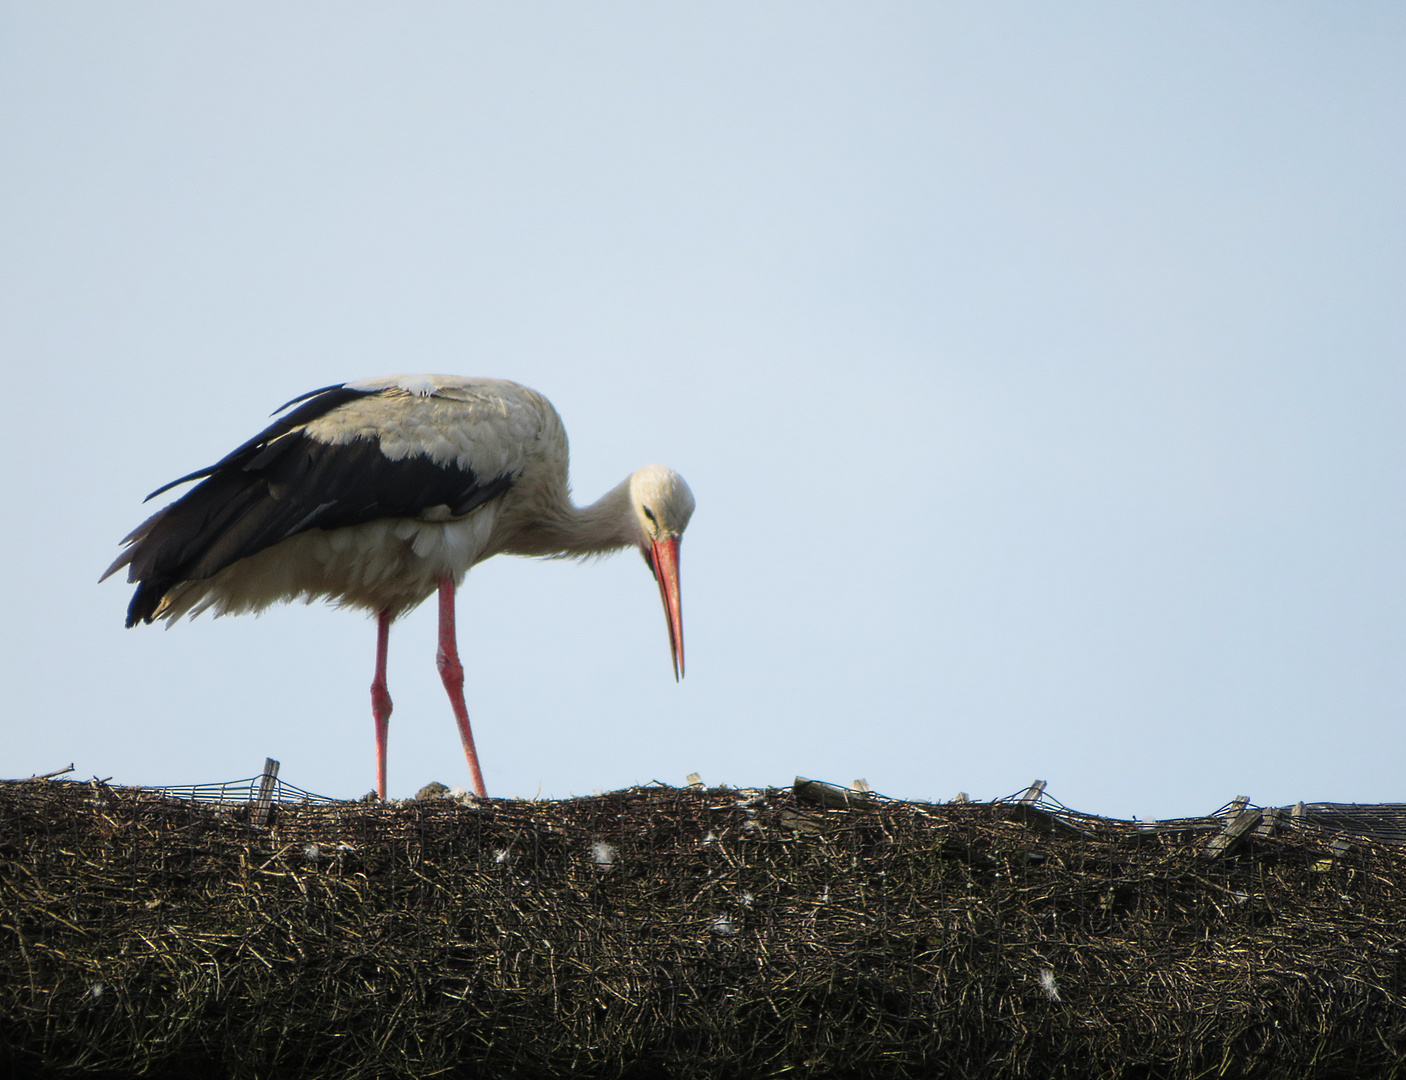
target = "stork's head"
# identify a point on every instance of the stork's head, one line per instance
(662, 505)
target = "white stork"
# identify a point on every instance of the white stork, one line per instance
(375, 494)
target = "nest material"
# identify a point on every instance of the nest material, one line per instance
(682, 933)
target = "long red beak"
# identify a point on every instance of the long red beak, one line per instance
(663, 557)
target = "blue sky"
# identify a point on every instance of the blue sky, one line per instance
(1039, 371)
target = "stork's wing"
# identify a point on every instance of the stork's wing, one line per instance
(305, 471)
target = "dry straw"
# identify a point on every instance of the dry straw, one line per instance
(684, 933)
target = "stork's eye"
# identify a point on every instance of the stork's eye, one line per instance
(649, 514)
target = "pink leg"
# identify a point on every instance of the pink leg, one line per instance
(381, 698)
(451, 672)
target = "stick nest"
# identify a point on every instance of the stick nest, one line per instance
(687, 933)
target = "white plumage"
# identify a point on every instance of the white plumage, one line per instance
(376, 494)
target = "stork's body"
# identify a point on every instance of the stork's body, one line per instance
(376, 494)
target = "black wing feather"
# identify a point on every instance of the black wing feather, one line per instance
(323, 402)
(313, 394)
(281, 483)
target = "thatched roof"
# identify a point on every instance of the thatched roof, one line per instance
(665, 932)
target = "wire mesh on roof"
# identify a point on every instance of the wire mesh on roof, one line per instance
(1036, 801)
(1379, 821)
(240, 791)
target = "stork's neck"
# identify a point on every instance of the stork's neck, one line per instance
(560, 528)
